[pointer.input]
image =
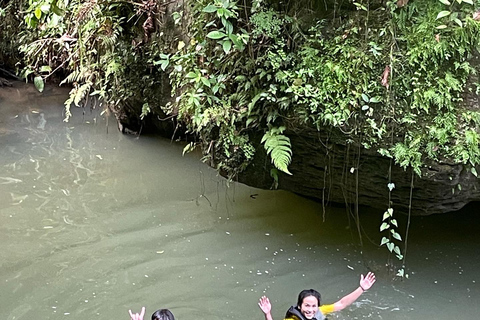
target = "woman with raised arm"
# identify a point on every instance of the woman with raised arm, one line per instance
(309, 302)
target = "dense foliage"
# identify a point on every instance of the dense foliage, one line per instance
(392, 76)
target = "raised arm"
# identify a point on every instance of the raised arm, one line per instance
(266, 307)
(365, 284)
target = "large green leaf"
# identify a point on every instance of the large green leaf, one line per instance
(39, 84)
(216, 35)
(390, 246)
(38, 13)
(384, 240)
(210, 8)
(442, 14)
(384, 226)
(227, 45)
(396, 235)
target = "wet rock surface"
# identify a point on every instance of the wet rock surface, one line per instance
(326, 169)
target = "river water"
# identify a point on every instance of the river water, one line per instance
(93, 223)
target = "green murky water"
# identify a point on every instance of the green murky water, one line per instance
(93, 223)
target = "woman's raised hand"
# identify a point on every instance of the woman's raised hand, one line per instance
(136, 316)
(265, 305)
(367, 281)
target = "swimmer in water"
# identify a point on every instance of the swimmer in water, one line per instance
(309, 305)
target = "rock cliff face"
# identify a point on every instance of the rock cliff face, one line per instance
(328, 170)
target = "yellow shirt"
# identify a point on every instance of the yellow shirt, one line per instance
(325, 309)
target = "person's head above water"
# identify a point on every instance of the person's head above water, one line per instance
(306, 293)
(308, 302)
(163, 314)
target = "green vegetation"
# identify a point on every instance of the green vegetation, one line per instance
(394, 76)
(391, 77)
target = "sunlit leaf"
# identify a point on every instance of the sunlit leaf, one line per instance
(38, 13)
(384, 240)
(365, 98)
(191, 75)
(236, 41)
(216, 35)
(386, 215)
(227, 45)
(210, 8)
(39, 84)
(164, 64)
(229, 27)
(45, 8)
(397, 250)
(396, 235)
(390, 246)
(394, 222)
(445, 2)
(442, 14)
(384, 226)
(205, 81)
(45, 69)
(474, 172)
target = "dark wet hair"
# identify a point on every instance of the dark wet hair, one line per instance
(163, 314)
(306, 293)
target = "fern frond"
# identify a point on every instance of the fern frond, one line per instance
(79, 75)
(279, 148)
(82, 91)
(72, 77)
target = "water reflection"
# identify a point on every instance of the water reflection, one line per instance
(94, 223)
